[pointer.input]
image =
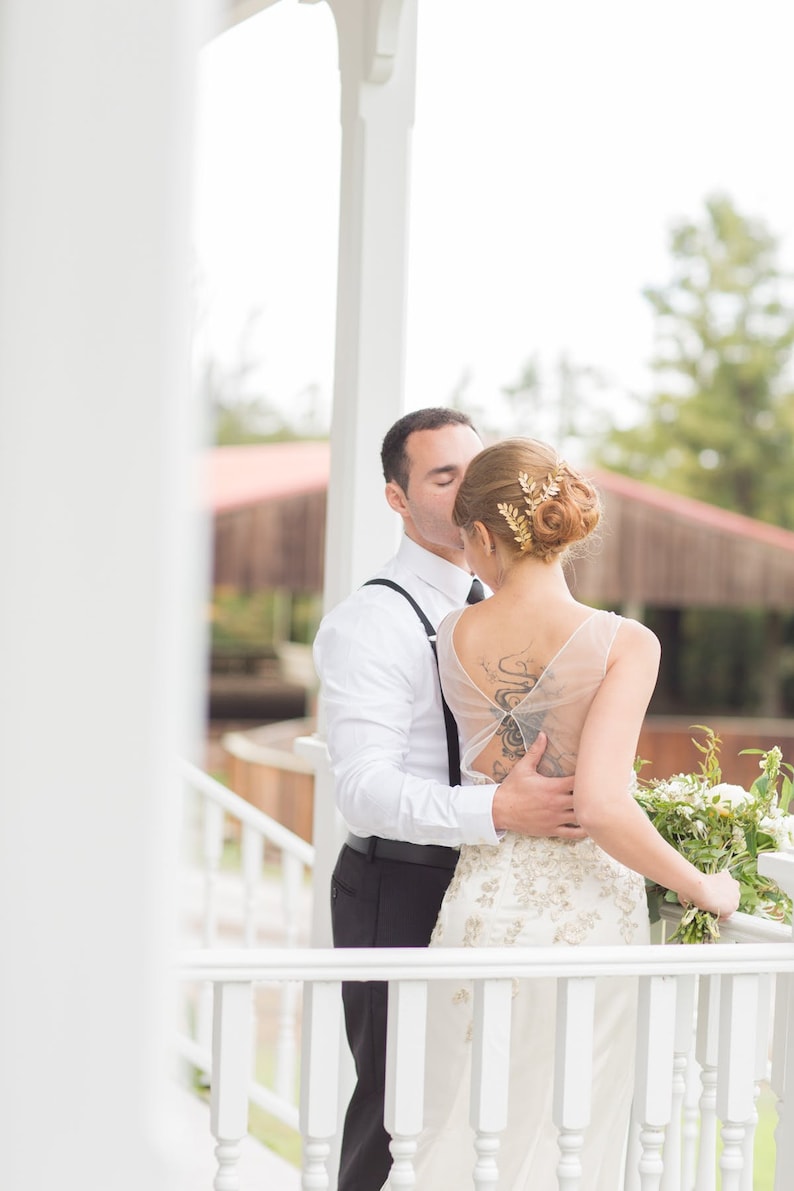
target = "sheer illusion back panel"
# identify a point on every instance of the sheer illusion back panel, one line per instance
(557, 703)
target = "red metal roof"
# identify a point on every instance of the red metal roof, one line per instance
(248, 475)
(685, 507)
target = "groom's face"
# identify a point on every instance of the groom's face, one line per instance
(438, 460)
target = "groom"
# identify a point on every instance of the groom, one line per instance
(406, 812)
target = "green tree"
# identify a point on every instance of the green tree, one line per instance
(720, 426)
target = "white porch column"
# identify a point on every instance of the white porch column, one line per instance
(96, 104)
(377, 62)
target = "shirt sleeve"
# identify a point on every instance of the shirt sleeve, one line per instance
(385, 729)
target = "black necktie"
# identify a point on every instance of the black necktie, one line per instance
(476, 592)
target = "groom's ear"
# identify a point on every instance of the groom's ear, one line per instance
(395, 498)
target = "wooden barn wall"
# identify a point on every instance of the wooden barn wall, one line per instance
(643, 555)
(277, 544)
(666, 745)
(654, 557)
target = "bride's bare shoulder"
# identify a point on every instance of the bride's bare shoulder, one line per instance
(466, 627)
(634, 636)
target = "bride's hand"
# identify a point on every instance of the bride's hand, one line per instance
(716, 892)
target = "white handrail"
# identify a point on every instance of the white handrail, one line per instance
(462, 963)
(739, 928)
(272, 831)
(280, 1100)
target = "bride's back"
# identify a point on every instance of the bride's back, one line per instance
(506, 679)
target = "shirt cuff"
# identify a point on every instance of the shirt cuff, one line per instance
(474, 812)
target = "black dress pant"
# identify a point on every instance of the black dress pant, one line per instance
(375, 903)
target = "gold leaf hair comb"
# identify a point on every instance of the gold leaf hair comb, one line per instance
(518, 523)
(535, 494)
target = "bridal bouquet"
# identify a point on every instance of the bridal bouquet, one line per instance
(717, 825)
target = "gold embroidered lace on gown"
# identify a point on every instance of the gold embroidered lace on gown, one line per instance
(528, 892)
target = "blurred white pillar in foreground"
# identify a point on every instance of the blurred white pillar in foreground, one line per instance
(96, 138)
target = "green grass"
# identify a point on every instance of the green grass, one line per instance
(277, 1136)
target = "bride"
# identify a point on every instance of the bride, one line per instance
(533, 659)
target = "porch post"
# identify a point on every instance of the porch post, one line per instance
(377, 62)
(96, 113)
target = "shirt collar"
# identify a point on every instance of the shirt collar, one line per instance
(453, 581)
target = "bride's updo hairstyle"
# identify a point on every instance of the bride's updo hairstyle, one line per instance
(528, 498)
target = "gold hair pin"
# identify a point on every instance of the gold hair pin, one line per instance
(535, 494)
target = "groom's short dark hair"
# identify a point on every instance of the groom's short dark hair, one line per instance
(393, 455)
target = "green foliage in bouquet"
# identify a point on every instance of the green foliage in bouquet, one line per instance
(716, 825)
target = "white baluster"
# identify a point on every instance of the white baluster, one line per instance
(782, 1064)
(212, 850)
(490, 1075)
(322, 1010)
(736, 1072)
(690, 1129)
(291, 884)
(654, 1074)
(573, 1075)
(405, 1076)
(707, 1050)
(780, 867)
(251, 849)
(251, 855)
(651, 1165)
(761, 1071)
(684, 1022)
(231, 1066)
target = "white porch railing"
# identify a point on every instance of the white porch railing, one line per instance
(713, 1026)
(228, 907)
(726, 990)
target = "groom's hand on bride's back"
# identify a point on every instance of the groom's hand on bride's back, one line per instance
(532, 804)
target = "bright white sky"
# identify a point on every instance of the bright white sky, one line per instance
(554, 143)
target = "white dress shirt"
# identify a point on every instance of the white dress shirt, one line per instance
(382, 701)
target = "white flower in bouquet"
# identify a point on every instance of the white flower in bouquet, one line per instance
(731, 795)
(781, 828)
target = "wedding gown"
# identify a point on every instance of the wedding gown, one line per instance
(528, 892)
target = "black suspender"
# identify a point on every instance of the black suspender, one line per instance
(453, 748)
